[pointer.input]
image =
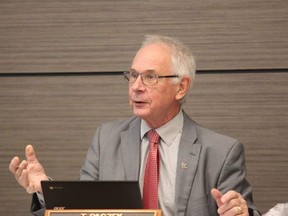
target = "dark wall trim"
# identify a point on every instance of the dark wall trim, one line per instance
(113, 73)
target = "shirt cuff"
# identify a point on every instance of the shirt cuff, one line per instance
(41, 199)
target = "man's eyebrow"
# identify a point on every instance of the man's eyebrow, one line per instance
(146, 71)
(150, 71)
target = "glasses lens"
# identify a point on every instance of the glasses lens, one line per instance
(149, 79)
(133, 76)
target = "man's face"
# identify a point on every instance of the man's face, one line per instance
(155, 104)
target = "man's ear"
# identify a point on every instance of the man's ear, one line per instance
(183, 87)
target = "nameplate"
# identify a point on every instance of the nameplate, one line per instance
(83, 212)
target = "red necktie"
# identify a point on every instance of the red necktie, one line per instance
(151, 178)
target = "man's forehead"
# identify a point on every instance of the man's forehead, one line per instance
(153, 57)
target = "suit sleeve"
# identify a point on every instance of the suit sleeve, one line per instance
(233, 176)
(90, 169)
(36, 208)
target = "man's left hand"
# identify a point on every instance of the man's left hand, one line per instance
(230, 203)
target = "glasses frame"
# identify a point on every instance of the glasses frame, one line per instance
(127, 77)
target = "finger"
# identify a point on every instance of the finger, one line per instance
(230, 205)
(237, 210)
(217, 195)
(23, 179)
(243, 205)
(14, 164)
(229, 196)
(23, 165)
(30, 154)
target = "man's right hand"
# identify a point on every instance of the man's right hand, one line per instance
(29, 173)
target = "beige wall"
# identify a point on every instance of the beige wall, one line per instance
(59, 113)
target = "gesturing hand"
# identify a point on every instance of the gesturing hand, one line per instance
(230, 203)
(29, 173)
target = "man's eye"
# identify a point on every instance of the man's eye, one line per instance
(150, 76)
(133, 75)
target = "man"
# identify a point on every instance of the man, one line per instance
(201, 172)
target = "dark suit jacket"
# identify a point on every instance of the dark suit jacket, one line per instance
(212, 160)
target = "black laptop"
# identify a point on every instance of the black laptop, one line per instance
(92, 194)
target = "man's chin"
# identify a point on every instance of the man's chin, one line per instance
(141, 113)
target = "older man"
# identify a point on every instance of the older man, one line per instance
(182, 168)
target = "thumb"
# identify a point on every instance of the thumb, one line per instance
(217, 195)
(30, 154)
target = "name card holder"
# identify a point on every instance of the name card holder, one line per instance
(90, 212)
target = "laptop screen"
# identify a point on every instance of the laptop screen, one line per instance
(92, 194)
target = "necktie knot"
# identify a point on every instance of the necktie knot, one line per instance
(153, 136)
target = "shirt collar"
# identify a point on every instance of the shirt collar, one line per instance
(168, 131)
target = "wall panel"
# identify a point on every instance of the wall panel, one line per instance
(72, 36)
(59, 114)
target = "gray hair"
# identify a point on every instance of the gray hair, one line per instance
(183, 61)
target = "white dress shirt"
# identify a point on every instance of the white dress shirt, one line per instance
(170, 134)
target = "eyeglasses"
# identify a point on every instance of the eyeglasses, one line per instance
(148, 79)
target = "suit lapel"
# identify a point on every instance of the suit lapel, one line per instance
(188, 157)
(130, 147)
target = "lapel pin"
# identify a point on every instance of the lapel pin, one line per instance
(184, 165)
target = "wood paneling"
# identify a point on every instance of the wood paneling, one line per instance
(70, 35)
(59, 114)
